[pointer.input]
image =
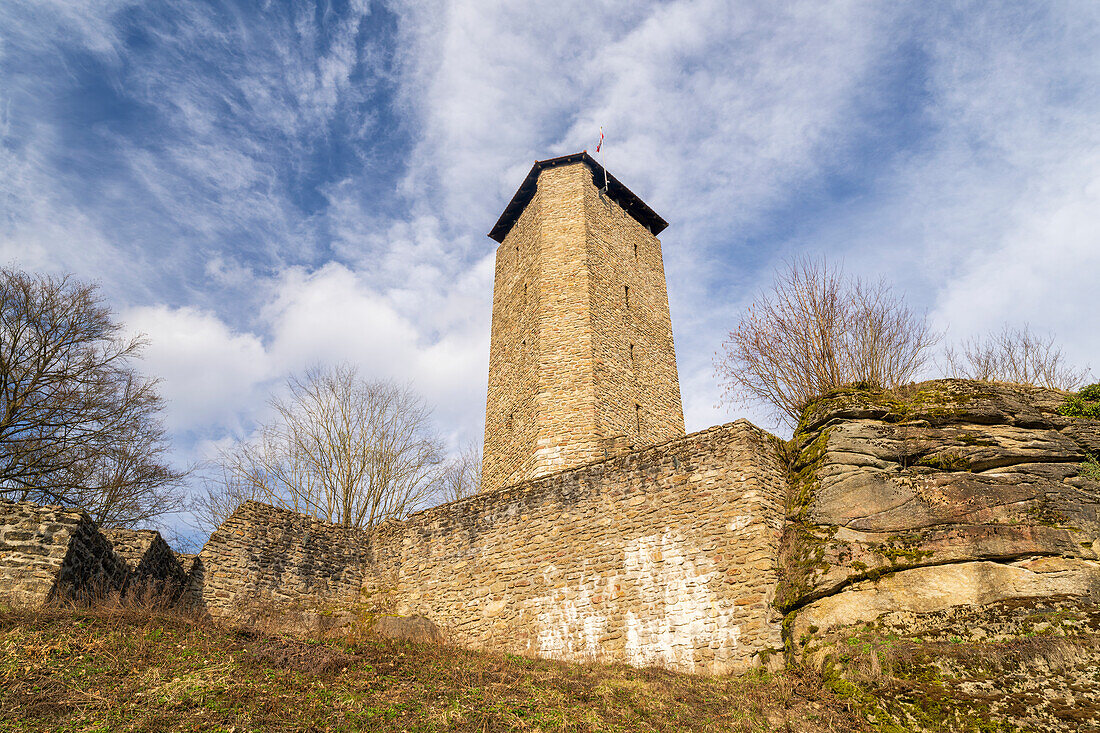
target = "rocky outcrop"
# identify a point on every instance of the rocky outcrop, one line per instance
(1026, 664)
(946, 493)
(407, 628)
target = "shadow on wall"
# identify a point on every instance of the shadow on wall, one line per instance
(52, 554)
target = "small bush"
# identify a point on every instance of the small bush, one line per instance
(1085, 403)
(1015, 356)
(1091, 468)
(817, 330)
(1091, 392)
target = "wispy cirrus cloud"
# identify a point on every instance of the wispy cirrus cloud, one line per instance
(260, 187)
(722, 116)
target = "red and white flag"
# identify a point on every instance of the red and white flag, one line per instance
(600, 143)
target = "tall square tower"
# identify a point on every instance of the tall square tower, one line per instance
(581, 361)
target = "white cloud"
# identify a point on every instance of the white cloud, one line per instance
(41, 227)
(713, 112)
(212, 377)
(1040, 271)
(992, 219)
(696, 96)
(40, 24)
(332, 316)
(244, 265)
(216, 380)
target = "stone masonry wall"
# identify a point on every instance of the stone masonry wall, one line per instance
(149, 558)
(663, 556)
(49, 552)
(565, 400)
(634, 359)
(581, 361)
(263, 558)
(511, 425)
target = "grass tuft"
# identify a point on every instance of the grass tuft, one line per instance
(1090, 468)
(126, 668)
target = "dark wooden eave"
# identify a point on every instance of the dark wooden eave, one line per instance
(619, 193)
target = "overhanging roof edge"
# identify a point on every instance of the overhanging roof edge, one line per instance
(622, 195)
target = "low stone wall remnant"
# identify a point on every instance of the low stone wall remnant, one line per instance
(153, 566)
(283, 566)
(53, 553)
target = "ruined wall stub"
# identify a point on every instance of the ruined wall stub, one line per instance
(53, 553)
(582, 363)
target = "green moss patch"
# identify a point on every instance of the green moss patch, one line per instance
(946, 461)
(1090, 468)
(1015, 666)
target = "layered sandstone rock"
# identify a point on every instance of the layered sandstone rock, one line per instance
(1024, 664)
(947, 493)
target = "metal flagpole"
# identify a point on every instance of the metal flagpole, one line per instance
(603, 164)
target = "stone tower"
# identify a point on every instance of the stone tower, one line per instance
(581, 361)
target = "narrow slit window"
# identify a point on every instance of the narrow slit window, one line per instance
(635, 250)
(626, 295)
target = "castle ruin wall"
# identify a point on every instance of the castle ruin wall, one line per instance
(50, 552)
(265, 558)
(150, 561)
(665, 556)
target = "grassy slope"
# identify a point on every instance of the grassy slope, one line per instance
(128, 670)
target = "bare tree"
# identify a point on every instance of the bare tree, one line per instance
(220, 496)
(129, 482)
(1015, 355)
(461, 475)
(342, 448)
(78, 425)
(816, 330)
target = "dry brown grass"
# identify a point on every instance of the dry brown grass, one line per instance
(124, 668)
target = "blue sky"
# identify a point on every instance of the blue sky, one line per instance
(259, 186)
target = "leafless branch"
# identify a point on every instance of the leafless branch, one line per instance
(343, 449)
(78, 425)
(1014, 355)
(462, 475)
(816, 330)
